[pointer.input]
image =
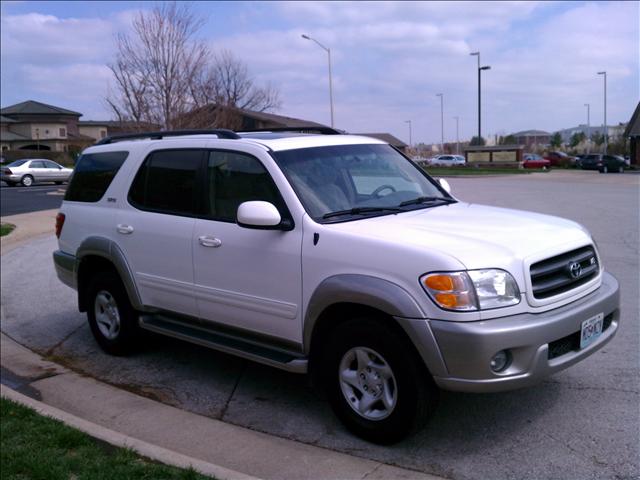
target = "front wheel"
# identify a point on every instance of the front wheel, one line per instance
(113, 321)
(375, 382)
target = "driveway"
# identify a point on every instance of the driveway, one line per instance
(579, 424)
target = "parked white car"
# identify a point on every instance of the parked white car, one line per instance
(447, 160)
(328, 254)
(34, 170)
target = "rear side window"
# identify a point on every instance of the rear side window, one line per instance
(93, 174)
(167, 182)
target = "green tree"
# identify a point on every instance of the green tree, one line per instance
(508, 140)
(598, 138)
(576, 139)
(477, 141)
(556, 140)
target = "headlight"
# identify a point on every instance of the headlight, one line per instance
(472, 290)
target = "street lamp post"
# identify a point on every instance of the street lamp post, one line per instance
(588, 127)
(457, 135)
(410, 139)
(328, 50)
(486, 67)
(606, 130)
(441, 121)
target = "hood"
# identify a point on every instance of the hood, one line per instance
(478, 236)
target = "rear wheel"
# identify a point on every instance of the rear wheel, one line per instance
(375, 381)
(27, 180)
(113, 321)
(621, 169)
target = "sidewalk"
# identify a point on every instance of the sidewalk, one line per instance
(158, 431)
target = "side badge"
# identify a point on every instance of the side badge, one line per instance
(316, 237)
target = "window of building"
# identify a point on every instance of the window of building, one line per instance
(103, 133)
(63, 132)
(167, 182)
(93, 174)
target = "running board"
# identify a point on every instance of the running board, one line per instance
(233, 345)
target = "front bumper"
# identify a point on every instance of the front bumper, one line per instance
(466, 348)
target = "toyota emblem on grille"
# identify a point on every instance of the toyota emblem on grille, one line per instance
(575, 269)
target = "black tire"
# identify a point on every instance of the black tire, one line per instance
(620, 169)
(109, 287)
(26, 181)
(415, 393)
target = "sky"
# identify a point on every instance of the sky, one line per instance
(389, 60)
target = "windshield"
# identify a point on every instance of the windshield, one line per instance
(345, 182)
(17, 163)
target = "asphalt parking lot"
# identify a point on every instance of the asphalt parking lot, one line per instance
(18, 199)
(579, 424)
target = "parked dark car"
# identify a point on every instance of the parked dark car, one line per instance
(560, 159)
(603, 163)
(531, 160)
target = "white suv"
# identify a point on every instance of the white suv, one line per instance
(332, 254)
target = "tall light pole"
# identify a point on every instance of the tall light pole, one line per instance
(588, 127)
(441, 121)
(486, 67)
(606, 130)
(457, 135)
(410, 139)
(328, 50)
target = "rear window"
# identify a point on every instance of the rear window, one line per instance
(17, 163)
(93, 175)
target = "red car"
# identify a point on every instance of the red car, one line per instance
(560, 159)
(531, 160)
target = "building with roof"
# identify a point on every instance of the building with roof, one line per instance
(32, 125)
(531, 138)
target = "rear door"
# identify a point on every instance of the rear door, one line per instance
(53, 171)
(155, 228)
(38, 171)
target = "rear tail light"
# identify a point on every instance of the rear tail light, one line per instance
(7, 171)
(59, 224)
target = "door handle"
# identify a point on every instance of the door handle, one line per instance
(207, 241)
(125, 229)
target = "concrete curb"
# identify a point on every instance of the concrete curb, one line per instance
(143, 448)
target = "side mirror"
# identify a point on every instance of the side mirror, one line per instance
(260, 215)
(444, 184)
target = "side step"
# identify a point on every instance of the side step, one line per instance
(233, 345)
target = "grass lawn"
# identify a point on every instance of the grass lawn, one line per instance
(6, 229)
(451, 171)
(37, 447)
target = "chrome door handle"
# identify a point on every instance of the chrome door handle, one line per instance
(207, 241)
(125, 229)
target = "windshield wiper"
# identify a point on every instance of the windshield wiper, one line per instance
(361, 211)
(419, 200)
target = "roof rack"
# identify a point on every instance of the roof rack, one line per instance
(220, 132)
(308, 129)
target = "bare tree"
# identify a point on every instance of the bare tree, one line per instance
(157, 64)
(164, 75)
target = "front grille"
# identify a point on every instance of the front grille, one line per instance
(571, 343)
(564, 272)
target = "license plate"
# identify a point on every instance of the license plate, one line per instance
(591, 330)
